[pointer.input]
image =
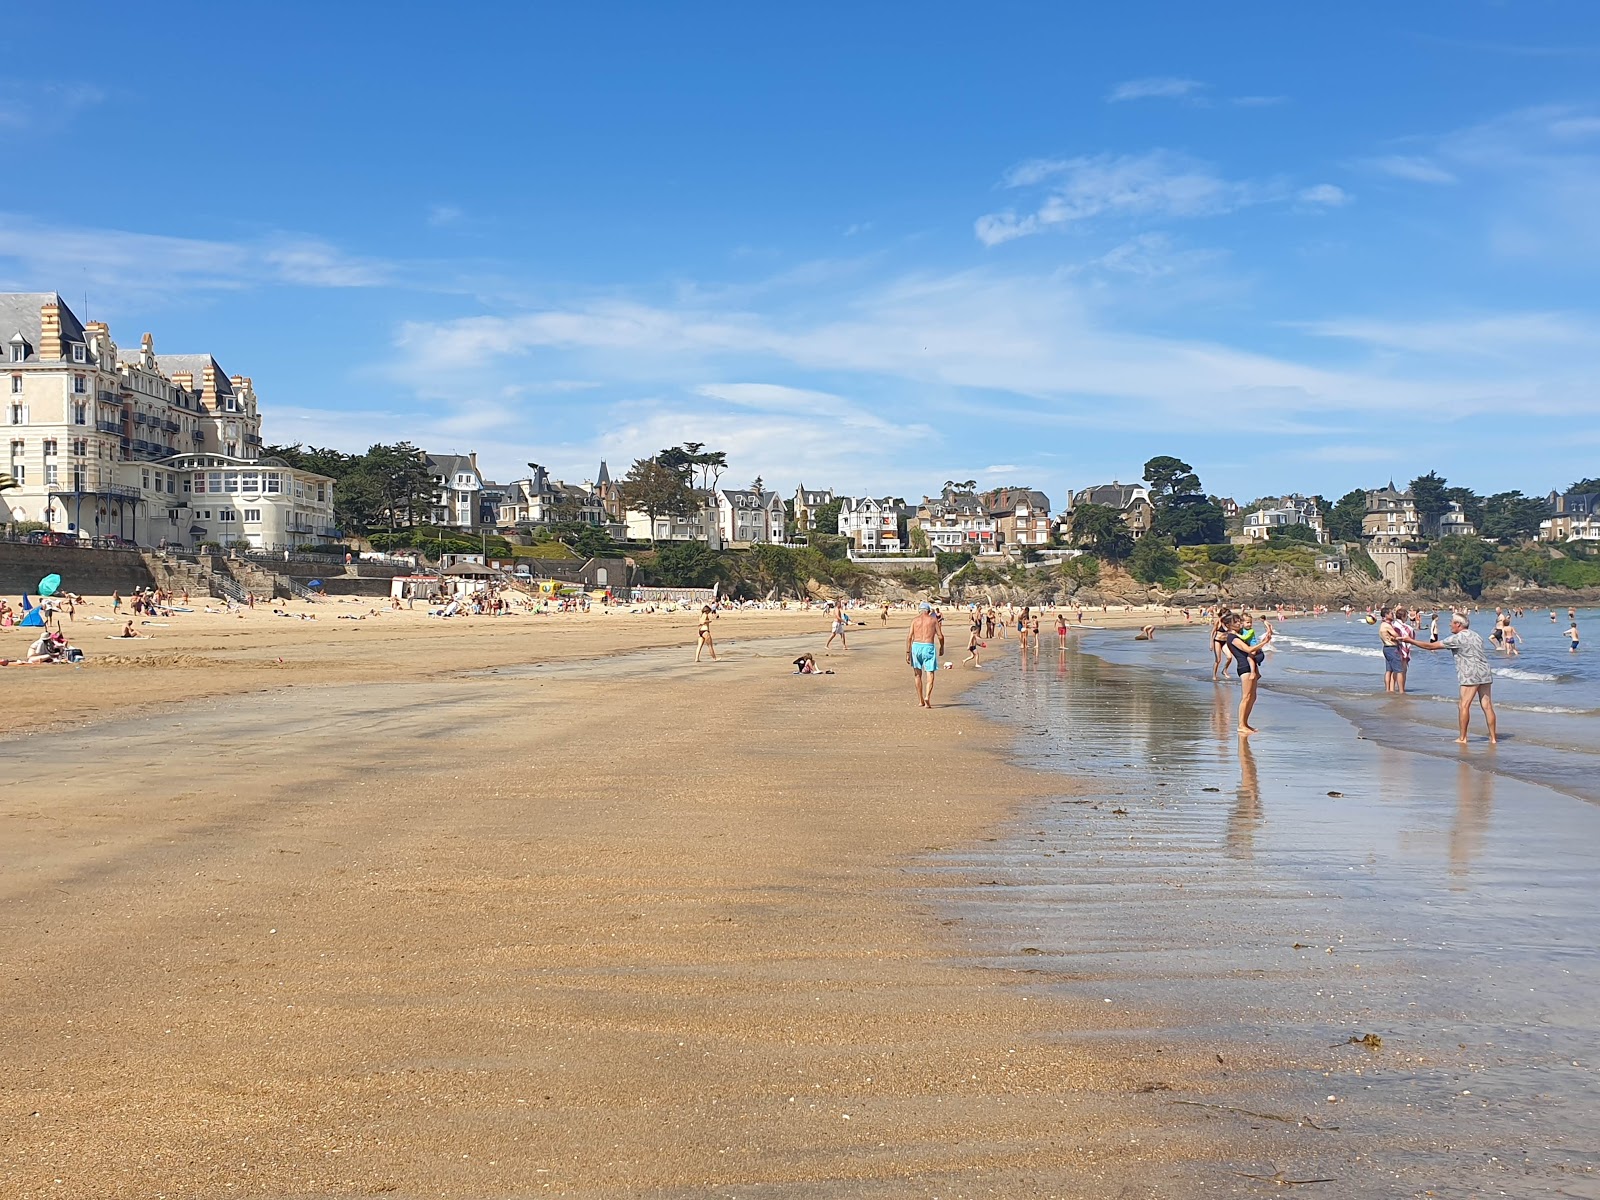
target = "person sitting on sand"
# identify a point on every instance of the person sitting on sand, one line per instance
(129, 632)
(806, 664)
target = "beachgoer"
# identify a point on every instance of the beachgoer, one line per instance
(1220, 634)
(1572, 636)
(1024, 628)
(1247, 656)
(1061, 630)
(805, 665)
(974, 641)
(1403, 627)
(1394, 663)
(924, 648)
(840, 620)
(1473, 673)
(703, 635)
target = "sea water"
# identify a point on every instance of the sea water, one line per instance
(1350, 870)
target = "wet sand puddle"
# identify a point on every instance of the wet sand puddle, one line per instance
(1391, 954)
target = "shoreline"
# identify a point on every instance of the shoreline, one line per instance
(581, 965)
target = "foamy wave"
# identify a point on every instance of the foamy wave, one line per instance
(1549, 708)
(1307, 644)
(1530, 676)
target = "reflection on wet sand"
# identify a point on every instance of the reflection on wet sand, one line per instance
(1381, 897)
(1474, 803)
(1246, 814)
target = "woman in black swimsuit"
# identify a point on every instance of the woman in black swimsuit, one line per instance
(1219, 645)
(1247, 663)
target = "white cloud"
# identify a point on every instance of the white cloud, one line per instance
(1155, 87)
(1483, 336)
(1158, 184)
(121, 262)
(1415, 168)
(440, 215)
(314, 263)
(1324, 195)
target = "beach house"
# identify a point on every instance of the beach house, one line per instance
(1290, 510)
(956, 520)
(1391, 516)
(805, 504)
(745, 517)
(872, 523)
(1574, 517)
(1021, 516)
(1132, 500)
(146, 448)
(457, 488)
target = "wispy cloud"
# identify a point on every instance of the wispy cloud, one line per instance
(441, 215)
(39, 254)
(1493, 335)
(1323, 195)
(1414, 168)
(1155, 87)
(1159, 184)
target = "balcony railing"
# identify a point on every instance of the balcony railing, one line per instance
(170, 426)
(199, 435)
(108, 426)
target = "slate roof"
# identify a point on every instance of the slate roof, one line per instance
(19, 313)
(1112, 495)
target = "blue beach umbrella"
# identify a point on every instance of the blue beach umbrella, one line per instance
(315, 583)
(48, 585)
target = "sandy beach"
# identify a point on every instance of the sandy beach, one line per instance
(401, 916)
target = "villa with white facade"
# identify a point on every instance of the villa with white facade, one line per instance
(105, 443)
(872, 524)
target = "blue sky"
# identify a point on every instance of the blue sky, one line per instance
(867, 246)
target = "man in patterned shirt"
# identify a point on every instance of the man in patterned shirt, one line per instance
(1472, 672)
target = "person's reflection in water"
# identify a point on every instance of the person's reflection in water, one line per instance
(1246, 814)
(1474, 801)
(1221, 714)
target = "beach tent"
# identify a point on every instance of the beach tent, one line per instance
(32, 614)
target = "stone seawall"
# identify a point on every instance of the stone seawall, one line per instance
(87, 572)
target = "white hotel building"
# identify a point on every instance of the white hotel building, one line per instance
(115, 444)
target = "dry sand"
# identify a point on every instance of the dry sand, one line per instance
(373, 920)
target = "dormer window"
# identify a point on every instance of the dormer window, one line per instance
(79, 353)
(19, 349)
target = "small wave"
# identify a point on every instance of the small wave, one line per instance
(1307, 644)
(1529, 676)
(1550, 708)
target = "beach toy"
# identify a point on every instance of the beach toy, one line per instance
(1370, 619)
(49, 584)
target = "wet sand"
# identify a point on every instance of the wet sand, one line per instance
(607, 925)
(1290, 900)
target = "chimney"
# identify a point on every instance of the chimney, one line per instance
(208, 389)
(50, 330)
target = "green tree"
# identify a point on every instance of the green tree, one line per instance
(1512, 517)
(1182, 512)
(1154, 560)
(1453, 561)
(827, 516)
(1343, 520)
(1293, 533)
(685, 564)
(1100, 530)
(1083, 570)
(1225, 553)
(1431, 494)
(656, 490)
(1585, 487)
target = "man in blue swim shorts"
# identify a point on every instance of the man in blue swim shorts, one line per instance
(924, 646)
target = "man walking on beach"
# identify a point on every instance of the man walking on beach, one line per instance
(924, 647)
(1472, 672)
